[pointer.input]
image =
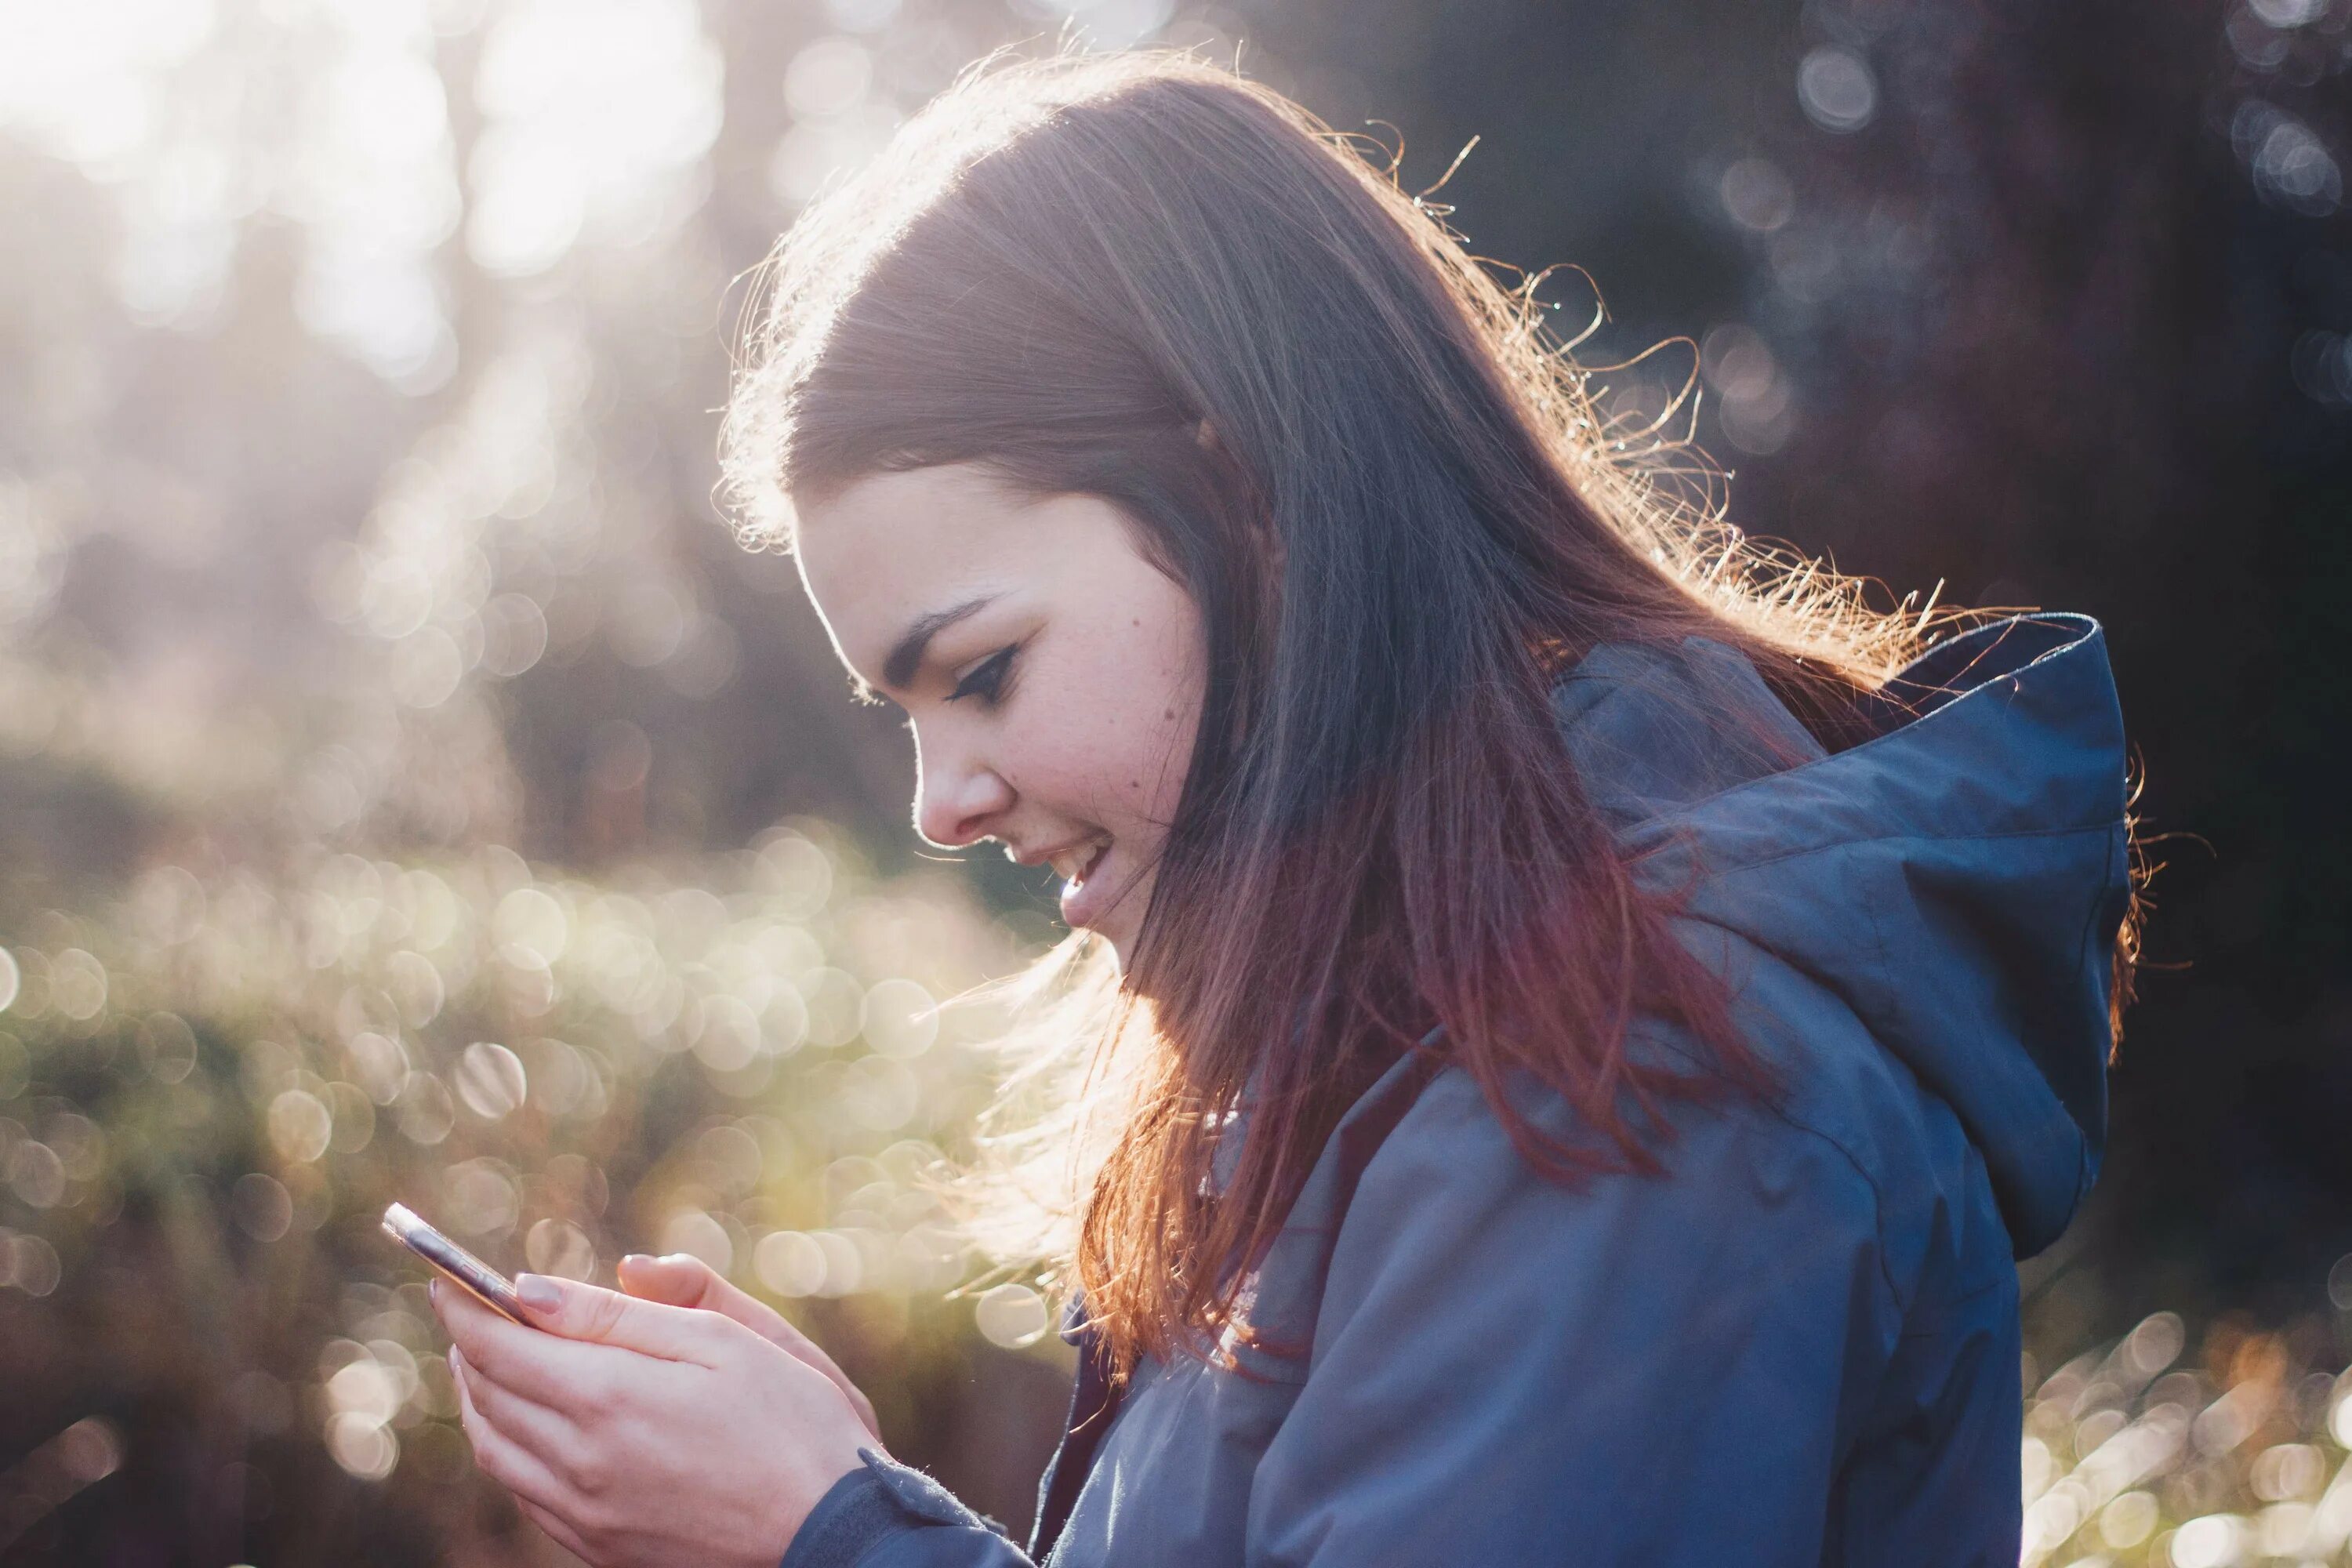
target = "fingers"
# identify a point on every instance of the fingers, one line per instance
(592, 1314)
(503, 1459)
(537, 1430)
(513, 1467)
(563, 1374)
(682, 1280)
(556, 1528)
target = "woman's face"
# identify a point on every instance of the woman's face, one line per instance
(1051, 675)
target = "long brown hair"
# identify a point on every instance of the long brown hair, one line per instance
(1402, 515)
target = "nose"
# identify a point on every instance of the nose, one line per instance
(959, 799)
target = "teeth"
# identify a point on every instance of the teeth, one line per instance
(1068, 864)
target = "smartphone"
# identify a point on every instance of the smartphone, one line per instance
(486, 1283)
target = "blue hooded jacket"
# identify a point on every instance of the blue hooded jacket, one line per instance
(1798, 1346)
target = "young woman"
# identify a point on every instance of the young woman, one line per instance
(1592, 1013)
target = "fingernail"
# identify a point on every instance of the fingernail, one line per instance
(433, 1291)
(636, 1257)
(538, 1292)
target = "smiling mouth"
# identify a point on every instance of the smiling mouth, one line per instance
(1074, 864)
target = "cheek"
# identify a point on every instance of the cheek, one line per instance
(1114, 739)
(1117, 765)
(1158, 746)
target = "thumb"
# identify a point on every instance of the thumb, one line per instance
(682, 1280)
(574, 1310)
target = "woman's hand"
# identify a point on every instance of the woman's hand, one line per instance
(640, 1433)
(682, 1280)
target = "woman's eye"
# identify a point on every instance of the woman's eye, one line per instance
(986, 679)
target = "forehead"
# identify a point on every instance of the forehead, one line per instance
(870, 528)
(894, 546)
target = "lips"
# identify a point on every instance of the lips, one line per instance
(1082, 894)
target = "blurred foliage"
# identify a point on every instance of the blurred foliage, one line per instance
(407, 790)
(212, 1090)
(2134, 1455)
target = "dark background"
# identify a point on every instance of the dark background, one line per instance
(2047, 305)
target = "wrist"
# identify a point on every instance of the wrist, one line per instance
(877, 1499)
(802, 1496)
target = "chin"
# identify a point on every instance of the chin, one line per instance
(1117, 927)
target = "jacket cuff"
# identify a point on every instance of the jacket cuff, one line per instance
(880, 1499)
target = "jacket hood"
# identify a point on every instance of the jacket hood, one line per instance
(1957, 878)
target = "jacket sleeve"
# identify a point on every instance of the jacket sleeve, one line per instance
(1645, 1370)
(889, 1515)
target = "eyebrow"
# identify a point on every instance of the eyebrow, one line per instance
(906, 653)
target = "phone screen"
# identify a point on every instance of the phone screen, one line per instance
(486, 1283)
